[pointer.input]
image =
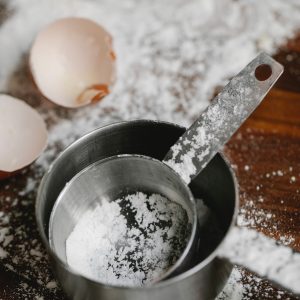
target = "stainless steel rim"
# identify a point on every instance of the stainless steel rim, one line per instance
(191, 198)
(164, 283)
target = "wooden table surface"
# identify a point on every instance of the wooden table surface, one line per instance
(265, 153)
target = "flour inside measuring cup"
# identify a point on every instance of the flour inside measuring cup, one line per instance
(131, 241)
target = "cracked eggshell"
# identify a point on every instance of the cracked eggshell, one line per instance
(72, 62)
(23, 135)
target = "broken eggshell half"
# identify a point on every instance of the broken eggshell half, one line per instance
(23, 135)
(72, 62)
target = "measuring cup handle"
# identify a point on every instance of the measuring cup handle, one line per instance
(264, 256)
(226, 113)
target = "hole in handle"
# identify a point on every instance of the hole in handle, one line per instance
(263, 72)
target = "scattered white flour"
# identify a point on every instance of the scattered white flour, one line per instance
(264, 256)
(168, 66)
(131, 241)
(234, 289)
(171, 57)
(243, 285)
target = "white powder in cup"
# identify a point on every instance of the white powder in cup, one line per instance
(131, 241)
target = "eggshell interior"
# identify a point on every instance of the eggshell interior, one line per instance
(23, 134)
(72, 62)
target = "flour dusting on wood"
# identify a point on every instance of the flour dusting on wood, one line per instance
(168, 68)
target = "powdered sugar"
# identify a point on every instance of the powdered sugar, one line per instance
(131, 241)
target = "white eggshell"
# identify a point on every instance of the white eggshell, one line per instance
(23, 134)
(72, 62)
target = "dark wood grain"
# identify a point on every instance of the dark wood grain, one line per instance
(265, 153)
(269, 143)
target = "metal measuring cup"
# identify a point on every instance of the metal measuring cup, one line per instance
(232, 94)
(216, 185)
(189, 156)
(111, 179)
